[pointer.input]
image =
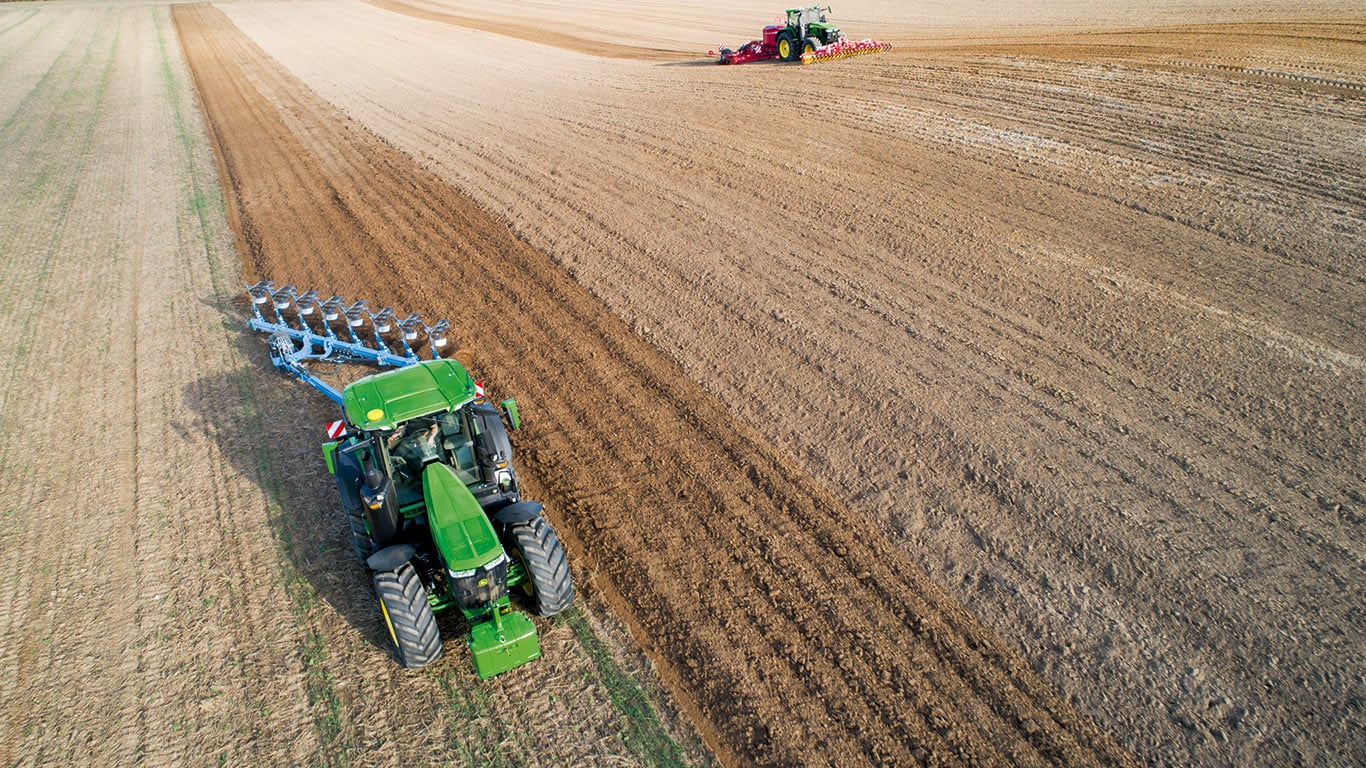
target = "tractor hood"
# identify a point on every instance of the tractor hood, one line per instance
(385, 400)
(459, 526)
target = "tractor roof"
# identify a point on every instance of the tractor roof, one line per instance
(386, 400)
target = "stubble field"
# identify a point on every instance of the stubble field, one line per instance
(994, 400)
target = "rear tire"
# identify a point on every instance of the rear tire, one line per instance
(552, 588)
(360, 538)
(408, 616)
(788, 50)
(348, 489)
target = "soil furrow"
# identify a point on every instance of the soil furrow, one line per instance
(588, 380)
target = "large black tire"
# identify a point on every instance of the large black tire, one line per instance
(788, 47)
(348, 489)
(408, 616)
(536, 545)
(360, 538)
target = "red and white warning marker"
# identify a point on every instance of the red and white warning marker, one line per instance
(336, 429)
(479, 390)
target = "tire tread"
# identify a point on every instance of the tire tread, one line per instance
(415, 629)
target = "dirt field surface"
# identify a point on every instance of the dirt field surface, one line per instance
(178, 590)
(788, 634)
(997, 400)
(1072, 317)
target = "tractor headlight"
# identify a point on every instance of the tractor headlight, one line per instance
(504, 479)
(480, 586)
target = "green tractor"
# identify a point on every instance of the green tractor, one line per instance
(807, 36)
(436, 514)
(807, 29)
(423, 467)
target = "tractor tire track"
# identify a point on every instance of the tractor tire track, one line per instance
(658, 491)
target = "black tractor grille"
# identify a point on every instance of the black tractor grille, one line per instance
(481, 586)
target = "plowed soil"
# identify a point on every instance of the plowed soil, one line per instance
(177, 589)
(1071, 315)
(996, 400)
(788, 632)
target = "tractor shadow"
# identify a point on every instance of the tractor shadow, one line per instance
(710, 62)
(270, 429)
(690, 63)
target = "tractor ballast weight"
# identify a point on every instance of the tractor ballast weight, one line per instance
(806, 35)
(424, 474)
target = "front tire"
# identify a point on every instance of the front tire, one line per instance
(408, 616)
(810, 44)
(552, 588)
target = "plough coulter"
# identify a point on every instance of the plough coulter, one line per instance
(807, 36)
(423, 468)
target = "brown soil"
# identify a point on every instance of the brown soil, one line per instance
(788, 627)
(178, 589)
(1074, 318)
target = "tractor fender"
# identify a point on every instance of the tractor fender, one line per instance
(390, 558)
(348, 476)
(519, 512)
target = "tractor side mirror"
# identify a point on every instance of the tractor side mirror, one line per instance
(514, 417)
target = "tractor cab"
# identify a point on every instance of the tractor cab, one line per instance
(806, 30)
(811, 22)
(429, 413)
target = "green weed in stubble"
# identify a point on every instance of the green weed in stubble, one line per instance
(474, 735)
(642, 732)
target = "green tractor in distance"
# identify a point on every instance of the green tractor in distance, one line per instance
(436, 514)
(807, 29)
(423, 467)
(807, 36)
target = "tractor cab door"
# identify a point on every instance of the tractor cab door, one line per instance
(458, 441)
(493, 450)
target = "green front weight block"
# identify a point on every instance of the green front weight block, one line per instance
(504, 643)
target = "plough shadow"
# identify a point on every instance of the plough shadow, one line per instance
(270, 428)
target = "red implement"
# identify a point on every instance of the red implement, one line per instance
(843, 48)
(754, 50)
